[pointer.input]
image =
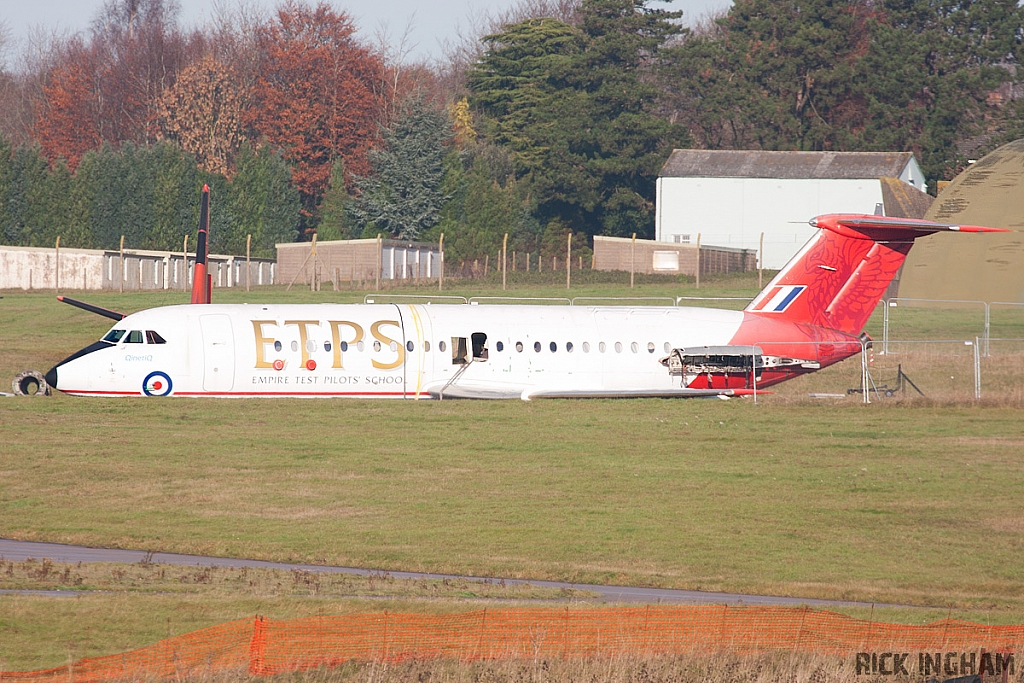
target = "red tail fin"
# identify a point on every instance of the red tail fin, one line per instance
(201, 281)
(838, 278)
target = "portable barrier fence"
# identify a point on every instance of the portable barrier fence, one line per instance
(261, 646)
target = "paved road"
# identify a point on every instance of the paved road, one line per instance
(22, 550)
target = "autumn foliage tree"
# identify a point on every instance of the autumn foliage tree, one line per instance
(108, 88)
(202, 111)
(67, 118)
(316, 96)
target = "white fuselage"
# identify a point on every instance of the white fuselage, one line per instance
(392, 350)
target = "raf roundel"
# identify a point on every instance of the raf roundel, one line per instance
(157, 384)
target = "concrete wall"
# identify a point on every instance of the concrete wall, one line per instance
(648, 256)
(36, 268)
(357, 260)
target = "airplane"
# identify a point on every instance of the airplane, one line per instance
(810, 316)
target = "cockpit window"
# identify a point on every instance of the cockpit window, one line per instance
(154, 338)
(134, 337)
(114, 336)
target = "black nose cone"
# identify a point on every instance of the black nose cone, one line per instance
(51, 377)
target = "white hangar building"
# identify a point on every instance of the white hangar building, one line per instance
(729, 197)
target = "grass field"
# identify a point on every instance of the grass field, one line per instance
(903, 501)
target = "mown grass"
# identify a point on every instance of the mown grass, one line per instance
(904, 501)
(916, 504)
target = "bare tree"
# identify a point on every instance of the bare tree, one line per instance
(21, 83)
(393, 50)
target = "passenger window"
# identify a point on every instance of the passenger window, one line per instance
(618, 347)
(634, 347)
(441, 346)
(650, 347)
(479, 346)
(536, 346)
(426, 346)
(668, 348)
(154, 338)
(460, 352)
(327, 346)
(277, 346)
(601, 347)
(360, 346)
(519, 347)
(409, 346)
(114, 336)
(554, 347)
(344, 346)
(586, 347)
(500, 347)
(134, 337)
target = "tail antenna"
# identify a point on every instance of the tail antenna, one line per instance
(201, 280)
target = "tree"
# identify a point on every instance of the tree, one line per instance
(778, 77)
(260, 201)
(108, 87)
(334, 209)
(576, 105)
(202, 112)
(856, 76)
(314, 96)
(483, 204)
(67, 118)
(403, 197)
(25, 216)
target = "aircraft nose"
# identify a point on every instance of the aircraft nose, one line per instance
(51, 377)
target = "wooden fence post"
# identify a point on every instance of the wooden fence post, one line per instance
(504, 260)
(568, 260)
(121, 279)
(632, 260)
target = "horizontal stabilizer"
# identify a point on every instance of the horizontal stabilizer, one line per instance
(867, 224)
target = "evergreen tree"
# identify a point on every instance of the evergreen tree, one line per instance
(576, 105)
(26, 219)
(480, 210)
(334, 219)
(260, 201)
(176, 191)
(7, 234)
(855, 76)
(403, 197)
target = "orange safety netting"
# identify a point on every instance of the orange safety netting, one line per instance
(262, 646)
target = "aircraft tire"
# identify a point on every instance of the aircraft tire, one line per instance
(26, 379)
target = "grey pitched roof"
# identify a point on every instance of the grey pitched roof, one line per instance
(706, 163)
